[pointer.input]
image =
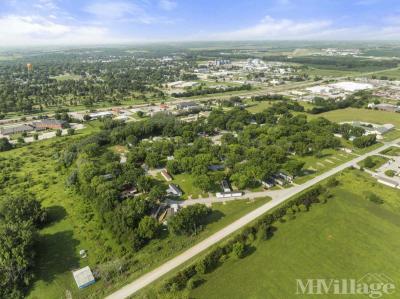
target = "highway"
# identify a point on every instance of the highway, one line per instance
(278, 197)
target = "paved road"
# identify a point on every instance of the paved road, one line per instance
(278, 197)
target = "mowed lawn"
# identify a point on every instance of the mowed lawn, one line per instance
(365, 115)
(329, 159)
(346, 238)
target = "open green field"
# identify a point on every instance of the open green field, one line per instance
(391, 74)
(328, 159)
(67, 77)
(365, 115)
(185, 182)
(348, 237)
(320, 72)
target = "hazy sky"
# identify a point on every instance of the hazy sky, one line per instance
(24, 22)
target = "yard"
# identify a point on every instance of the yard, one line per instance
(185, 182)
(348, 237)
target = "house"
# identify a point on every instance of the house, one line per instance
(215, 167)
(101, 114)
(174, 190)
(128, 193)
(17, 129)
(225, 186)
(229, 194)
(166, 175)
(268, 183)
(50, 124)
(286, 177)
(108, 176)
(385, 107)
(187, 106)
(83, 277)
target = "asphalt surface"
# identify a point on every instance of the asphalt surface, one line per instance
(278, 197)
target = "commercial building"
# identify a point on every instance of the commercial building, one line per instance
(50, 124)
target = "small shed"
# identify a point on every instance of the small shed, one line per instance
(83, 277)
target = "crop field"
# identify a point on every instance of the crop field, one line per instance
(348, 237)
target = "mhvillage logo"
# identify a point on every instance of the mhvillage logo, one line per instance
(371, 285)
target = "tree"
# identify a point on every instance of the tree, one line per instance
(238, 249)
(369, 163)
(189, 220)
(71, 131)
(58, 132)
(204, 182)
(36, 136)
(364, 141)
(148, 228)
(332, 182)
(294, 167)
(16, 258)
(5, 144)
(23, 208)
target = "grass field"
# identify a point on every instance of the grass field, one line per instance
(392, 151)
(330, 73)
(329, 159)
(377, 162)
(391, 74)
(185, 182)
(346, 238)
(67, 77)
(365, 115)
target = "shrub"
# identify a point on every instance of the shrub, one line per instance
(238, 250)
(390, 173)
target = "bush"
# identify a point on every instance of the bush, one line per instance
(390, 173)
(332, 182)
(375, 198)
(238, 250)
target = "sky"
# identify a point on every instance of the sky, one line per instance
(73, 22)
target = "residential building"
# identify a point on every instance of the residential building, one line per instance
(25, 128)
(225, 186)
(166, 175)
(174, 190)
(83, 277)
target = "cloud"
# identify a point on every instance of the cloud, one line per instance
(270, 28)
(167, 5)
(119, 11)
(286, 29)
(36, 30)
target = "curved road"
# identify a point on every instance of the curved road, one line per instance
(278, 197)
